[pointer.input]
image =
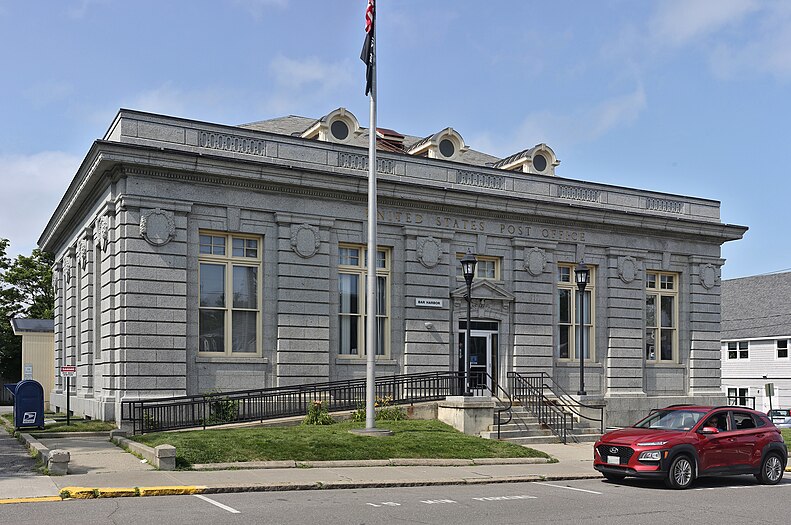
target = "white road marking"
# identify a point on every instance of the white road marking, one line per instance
(503, 498)
(569, 488)
(433, 501)
(385, 504)
(217, 504)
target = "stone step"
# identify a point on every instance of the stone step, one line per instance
(551, 438)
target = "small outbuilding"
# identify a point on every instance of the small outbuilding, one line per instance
(38, 351)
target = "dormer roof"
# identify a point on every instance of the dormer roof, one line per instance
(446, 144)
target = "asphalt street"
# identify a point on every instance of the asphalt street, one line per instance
(728, 500)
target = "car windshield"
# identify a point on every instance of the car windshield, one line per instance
(671, 420)
(779, 413)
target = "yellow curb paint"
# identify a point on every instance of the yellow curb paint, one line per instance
(29, 500)
(79, 492)
(177, 490)
(117, 493)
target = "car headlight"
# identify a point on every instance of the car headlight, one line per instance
(652, 444)
(651, 455)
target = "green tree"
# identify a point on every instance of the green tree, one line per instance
(25, 291)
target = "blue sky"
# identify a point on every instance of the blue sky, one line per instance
(686, 97)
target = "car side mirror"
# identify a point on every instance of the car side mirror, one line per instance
(709, 430)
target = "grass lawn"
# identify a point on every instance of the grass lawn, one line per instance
(412, 439)
(77, 425)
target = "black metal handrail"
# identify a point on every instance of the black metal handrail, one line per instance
(565, 401)
(529, 391)
(203, 410)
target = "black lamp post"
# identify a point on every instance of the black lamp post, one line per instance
(468, 263)
(582, 277)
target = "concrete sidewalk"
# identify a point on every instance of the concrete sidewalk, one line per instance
(99, 466)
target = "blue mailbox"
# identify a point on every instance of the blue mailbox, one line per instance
(28, 403)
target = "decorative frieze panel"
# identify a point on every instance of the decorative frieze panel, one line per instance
(429, 251)
(578, 194)
(481, 180)
(157, 226)
(224, 142)
(360, 162)
(305, 240)
(664, 205)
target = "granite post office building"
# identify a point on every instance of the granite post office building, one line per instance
(196, 257)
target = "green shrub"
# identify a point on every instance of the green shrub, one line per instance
(317, 414)
(221, 408)
(383, 409)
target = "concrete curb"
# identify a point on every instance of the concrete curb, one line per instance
(395, 462)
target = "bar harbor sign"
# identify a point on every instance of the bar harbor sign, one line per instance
(425, 302)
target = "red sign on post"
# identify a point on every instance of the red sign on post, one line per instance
(68, 371)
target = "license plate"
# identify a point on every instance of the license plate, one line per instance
(614, 460)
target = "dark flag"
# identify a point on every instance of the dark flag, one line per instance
(368, 54)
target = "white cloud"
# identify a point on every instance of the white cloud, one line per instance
(678, 22)
(767, 52)
(299, 84)
(562, 131)
(32, 186)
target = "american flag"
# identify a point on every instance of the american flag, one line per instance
(368, 52)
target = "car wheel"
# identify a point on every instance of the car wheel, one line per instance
(681, 473)
(771, 470)
(613, 477)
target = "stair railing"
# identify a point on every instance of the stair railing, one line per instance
(529, 391)
(564, 400)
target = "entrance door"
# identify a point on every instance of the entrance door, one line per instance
(482, 354)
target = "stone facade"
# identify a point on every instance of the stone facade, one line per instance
(126, 237)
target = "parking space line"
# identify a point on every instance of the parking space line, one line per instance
(569, 488)
(217, 504)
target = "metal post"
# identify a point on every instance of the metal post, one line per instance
(467, 390)
(68, 399)
(370, 343)
(581, 276)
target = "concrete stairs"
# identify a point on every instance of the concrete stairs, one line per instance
(524, 429)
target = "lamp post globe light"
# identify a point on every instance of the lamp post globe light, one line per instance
(582, 277)
(468, 263)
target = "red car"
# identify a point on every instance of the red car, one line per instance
(683, 442)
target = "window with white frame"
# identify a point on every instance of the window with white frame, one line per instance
(230, 294)
(738, 350)
(487, 267)
(737, 396)
(661, 317)
(569, 310)
(782, 348)
(352, 285)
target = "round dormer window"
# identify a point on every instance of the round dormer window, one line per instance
(339, 130)
(539, 162)
(447, 148)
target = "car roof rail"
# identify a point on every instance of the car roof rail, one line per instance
(681, 405)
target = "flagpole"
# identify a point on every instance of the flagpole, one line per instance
(371, 326)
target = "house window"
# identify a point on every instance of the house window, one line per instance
(569, 322)
(661, 317)
(738, 350)
(487, 267)
(352, 280)
(230, 294)
(782, 348)
(737, 396)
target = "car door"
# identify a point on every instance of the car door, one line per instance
(746, 436)
(714, 449)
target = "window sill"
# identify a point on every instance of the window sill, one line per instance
(657, 364)
(362, 362)
(576, 364)
(231, 359)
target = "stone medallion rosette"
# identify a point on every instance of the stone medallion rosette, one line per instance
(535, 261)
(157, 226)
(305, 240)
(429, 251)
